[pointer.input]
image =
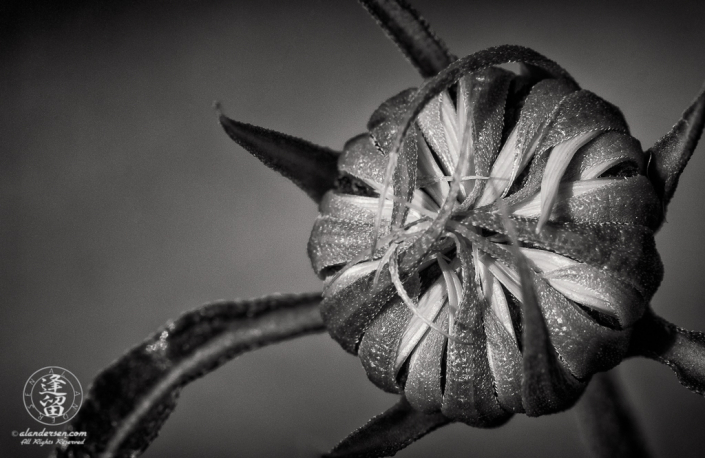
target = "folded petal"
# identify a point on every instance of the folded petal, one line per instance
(361, 159)
(539, 108)
(380, 343)
(627, 252)
(617, 200)
(505, 362)
(423, 385)
(547, 386)
(607, 151)
(556, 165)
(486, 104)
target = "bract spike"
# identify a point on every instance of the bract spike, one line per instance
(311, 167)
(670, 155)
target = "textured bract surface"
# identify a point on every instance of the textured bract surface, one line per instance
(437, 311)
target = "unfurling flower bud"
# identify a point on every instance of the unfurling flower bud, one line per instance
(458, 185)
(488, 245)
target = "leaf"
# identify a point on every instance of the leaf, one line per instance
(606, 422)
(671, 153)
(412, 34)
(389, 432)
(311, 167)
(130, 400)
(683, 351)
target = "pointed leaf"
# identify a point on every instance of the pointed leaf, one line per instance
(412, 34)
(606, 422)
(130, 400)
(311, 167)
(671, 153)
(681, 350)
(388, 432)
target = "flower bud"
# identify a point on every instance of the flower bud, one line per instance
(415, 241)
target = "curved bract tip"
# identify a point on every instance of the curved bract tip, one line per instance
(311, 167)
(671, 153)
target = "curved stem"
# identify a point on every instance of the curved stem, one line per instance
(681, 350)
(606, 422)
(130, 400)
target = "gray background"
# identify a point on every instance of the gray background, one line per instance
(123, 203)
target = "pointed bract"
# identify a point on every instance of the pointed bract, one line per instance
(405, 26)
(389, 432)
(671, 153)
(311, 167)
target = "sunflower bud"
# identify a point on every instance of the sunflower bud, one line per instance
(415, 240)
